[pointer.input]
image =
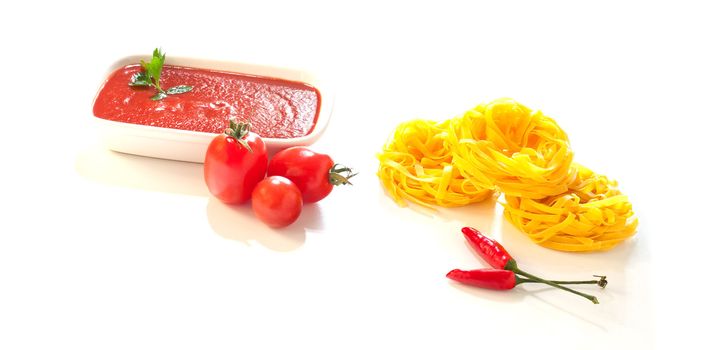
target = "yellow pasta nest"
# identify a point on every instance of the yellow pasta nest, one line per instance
(416, 165)
(591, 215)
(505, 146)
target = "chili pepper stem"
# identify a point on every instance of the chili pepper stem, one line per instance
(525, 280)
(602, 281)
(591, 298)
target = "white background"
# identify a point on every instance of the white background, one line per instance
(100, 250)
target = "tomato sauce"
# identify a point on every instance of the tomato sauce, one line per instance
(276, 108)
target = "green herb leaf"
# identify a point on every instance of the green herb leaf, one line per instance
(153, 69)
(151, 77)
(179, 89)
(139, 79)
(158, 96)
(155, 65)
(148, 70)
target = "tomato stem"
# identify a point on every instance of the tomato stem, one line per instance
(239, 130)
(340, 175)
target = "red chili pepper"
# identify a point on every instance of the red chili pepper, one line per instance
(492, 251)
(504, 279)
(497, 256)
(485, 278)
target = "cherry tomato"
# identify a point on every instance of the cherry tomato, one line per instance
(315, 174)
(235, 162)
(277, 201)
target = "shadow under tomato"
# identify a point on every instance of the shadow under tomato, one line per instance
(239, 223)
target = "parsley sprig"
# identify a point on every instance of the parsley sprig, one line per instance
(151, 77)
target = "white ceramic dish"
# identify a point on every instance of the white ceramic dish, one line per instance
(191, 146)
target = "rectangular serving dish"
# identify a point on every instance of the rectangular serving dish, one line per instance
(190, 146)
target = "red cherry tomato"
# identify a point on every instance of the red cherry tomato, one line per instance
(277, 201)
(315, 174)
(235, 162)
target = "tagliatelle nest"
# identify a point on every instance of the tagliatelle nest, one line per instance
(524, 154)
(416, 165)
(507, 146)
(591, 215)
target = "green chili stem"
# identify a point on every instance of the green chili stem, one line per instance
(525, 280)
(591, 298)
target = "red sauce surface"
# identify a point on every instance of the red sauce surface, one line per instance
(276, 108)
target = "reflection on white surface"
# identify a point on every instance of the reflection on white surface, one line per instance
(235, 222)
(96, 163)
(238, 222)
